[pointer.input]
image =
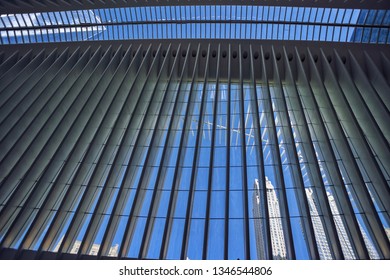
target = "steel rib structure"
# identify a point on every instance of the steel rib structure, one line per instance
(193, 148)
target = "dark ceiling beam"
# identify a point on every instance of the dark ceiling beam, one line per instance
(26, 6)
(375, 50)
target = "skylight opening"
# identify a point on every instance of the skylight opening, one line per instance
(198, 22)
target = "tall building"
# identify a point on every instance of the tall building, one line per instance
(260, 231)
(275, 223)
(136, 129)
(113, 252)
(341, 230)
(324, 250)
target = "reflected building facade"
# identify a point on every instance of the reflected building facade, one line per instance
(321, 239)
(113, 252)
(275, 223)
(146, 130)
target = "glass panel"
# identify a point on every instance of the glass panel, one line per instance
(278, 169)
(137, 237)
(370, 245)
(216, 239)
(196, 238)
(257, 223)
(176, 237)
(156, 238)
(195, 14)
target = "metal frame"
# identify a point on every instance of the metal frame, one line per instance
(147, 29)
(69, 111)
(17, 6)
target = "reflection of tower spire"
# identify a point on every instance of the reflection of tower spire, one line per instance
(275, 222)
(258, 223)
(369, 245)
(93, 251)
(341, 230)
(319, 231)
(321, 239)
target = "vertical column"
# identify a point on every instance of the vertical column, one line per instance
(59, 203)
(9, 63)
(134, 189)
(14, 71)
(109, 197)
(210, 189)
(228, 144)
(177, 177)
(151, 240)
(335, 132)
(125, 160)
(98, 159)
(377, 80)
(316, 131)
(371, 128)
(189, 221)
(348, 126)
(244, 158)
(313, 184)
(273, 147)
(290, 148)
(259, 197)
(38, 74)
(24, 187)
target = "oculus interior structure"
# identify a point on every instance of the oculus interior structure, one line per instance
(166, 129)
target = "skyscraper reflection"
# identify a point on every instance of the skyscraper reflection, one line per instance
(275, 222)
(321, 239)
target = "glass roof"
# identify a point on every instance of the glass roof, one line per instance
(198, 22)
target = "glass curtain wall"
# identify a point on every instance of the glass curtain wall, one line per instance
(157, 156)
